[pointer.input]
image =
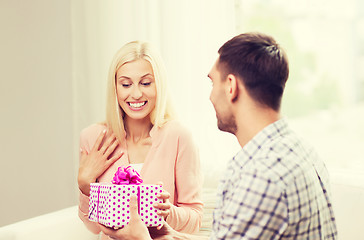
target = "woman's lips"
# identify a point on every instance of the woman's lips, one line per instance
(137, 106)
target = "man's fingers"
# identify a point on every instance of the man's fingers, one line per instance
(159, 227)
(133, 207)
(107, 231)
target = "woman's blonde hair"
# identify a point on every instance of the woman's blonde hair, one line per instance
(130, 52)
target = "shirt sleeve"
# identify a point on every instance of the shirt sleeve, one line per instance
(253, 208)
(186, 215)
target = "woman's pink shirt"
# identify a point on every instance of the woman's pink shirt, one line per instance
(173, 159)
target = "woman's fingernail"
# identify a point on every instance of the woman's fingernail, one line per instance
(81, 150)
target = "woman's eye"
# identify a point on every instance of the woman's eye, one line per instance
(145, 83)
(126, 84)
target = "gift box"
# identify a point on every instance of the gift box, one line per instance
(109, 203)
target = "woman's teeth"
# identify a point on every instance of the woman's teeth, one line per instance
(137, 105)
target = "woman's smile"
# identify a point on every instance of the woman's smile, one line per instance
(137, 106)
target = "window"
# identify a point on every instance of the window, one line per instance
(324, 96)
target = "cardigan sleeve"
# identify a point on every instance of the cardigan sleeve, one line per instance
(186, 214)
(83, 214)
(86, 136)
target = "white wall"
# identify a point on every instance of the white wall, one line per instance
(54, 57)
(36, 132)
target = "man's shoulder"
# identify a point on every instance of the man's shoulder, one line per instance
(281, 161)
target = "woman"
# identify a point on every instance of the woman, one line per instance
(140, 131)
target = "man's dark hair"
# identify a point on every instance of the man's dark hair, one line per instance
(260, 63)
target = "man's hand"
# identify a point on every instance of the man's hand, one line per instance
(168, 233)
(164, 232)
(135, 230)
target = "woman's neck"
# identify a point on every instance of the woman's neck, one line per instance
(137, 130)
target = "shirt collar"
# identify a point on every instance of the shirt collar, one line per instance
(267, 134)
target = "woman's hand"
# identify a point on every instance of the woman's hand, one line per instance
(97, 161)
(163, 208)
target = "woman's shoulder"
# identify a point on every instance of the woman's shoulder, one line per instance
(175, 126)
(177, 129)
(92, 130)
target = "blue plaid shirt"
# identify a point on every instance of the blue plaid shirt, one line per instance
(276, 187)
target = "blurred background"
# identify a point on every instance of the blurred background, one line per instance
(54, 58)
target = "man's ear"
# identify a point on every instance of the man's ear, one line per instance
(232, 87)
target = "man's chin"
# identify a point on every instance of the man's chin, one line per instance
(230, 128)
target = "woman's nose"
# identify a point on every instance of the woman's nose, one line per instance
(136, 93)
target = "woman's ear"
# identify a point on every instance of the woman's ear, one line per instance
(232, 87)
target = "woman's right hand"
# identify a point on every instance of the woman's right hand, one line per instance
(97, 161)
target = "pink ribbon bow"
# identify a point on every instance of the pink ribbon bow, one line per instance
(126, 175)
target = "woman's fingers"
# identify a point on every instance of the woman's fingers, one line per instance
(111, 145)
(164, 214)
(115, 158)
(101, 157)
(82, 154)
(164, 195)
(103, 154)
(164, 207)
(107, 143)
(99, 140)
(107, 150)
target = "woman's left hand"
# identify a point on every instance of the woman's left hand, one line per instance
(165, 206)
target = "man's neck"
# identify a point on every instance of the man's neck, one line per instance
(250, 124)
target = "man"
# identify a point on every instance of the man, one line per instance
(275, 187)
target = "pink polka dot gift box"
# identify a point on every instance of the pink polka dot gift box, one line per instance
(109, 202)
